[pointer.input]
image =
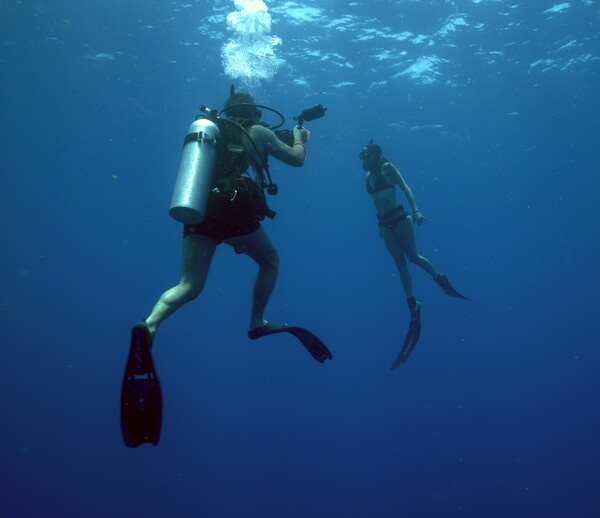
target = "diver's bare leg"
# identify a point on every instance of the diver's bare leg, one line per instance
(198, 251)
(258, 246)
(394, 246)
(406, 235)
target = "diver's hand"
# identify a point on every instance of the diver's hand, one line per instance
(418, 218)
(300, 135)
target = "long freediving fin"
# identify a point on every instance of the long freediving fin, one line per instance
(412, 337)
(443, 281)
(141, 397)
(311, 342)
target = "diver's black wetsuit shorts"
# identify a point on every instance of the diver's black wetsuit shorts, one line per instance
(237, 212)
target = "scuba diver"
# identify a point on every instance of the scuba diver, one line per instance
(396, 229)
(228, 155)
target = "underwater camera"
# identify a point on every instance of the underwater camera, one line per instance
(308, 114)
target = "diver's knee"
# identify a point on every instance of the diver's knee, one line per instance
(414, 258)
(190, 290)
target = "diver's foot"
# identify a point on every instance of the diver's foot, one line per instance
(140, 359)
(442, 280)
(444, 283)
(152, 327)
(266, 329)
(414, 306)
(415, 312)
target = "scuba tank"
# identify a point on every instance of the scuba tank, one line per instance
(192, 187)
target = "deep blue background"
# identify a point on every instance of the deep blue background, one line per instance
(495, 414)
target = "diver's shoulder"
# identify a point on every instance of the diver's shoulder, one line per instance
(259, 129)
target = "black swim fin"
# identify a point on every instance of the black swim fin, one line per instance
(317, 349)
(141, 397)
(412, 337)
(443, 281)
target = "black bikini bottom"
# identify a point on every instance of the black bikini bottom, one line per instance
(391, 218)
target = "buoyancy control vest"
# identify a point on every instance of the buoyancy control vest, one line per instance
(232, 158)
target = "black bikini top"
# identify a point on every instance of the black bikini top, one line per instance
(376, 182)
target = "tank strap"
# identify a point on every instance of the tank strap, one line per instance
(191, 137)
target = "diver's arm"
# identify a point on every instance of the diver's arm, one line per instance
(394, 176)
(269, 142)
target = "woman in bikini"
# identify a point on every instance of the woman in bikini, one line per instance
(396, 229)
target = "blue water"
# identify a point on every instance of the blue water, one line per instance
(491, 111)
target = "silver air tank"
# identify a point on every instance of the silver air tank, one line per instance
(194, 177)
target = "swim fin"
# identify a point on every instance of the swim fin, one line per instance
(412, 337)
(141, 397)
(443, 281)
(317, 349)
